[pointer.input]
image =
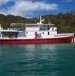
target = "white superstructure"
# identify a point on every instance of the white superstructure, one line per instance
(32, 31)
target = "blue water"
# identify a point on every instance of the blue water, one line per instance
(37, 60)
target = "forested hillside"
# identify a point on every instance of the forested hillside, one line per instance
(64, 22)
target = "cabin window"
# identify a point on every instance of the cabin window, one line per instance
(48, 33)
(26, 33)
(44, 27)
(42, 32)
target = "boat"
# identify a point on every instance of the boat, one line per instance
(35, 33)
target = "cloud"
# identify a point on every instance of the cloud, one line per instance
(3, 1)
(23, 7)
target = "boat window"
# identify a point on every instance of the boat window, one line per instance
(26, 32)
(48, 33)
(42, 32)
(44, 27)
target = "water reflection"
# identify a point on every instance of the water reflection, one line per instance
(43, 51)
(36, 60)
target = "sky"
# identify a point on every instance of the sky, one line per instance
(34, 8)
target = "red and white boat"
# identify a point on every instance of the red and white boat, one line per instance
(38, 33)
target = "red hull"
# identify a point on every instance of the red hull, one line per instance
(36, 41)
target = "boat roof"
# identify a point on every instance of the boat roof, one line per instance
(9, 31)
(39, 24)
(17, 24)
(30, 24)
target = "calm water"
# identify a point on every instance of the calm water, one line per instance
(37, 60)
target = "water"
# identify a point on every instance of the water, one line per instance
(37, 60)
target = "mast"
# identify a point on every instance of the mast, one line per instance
(41, 20)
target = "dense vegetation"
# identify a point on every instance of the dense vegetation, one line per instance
(64, 22)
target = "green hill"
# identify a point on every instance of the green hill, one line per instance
(64, 22)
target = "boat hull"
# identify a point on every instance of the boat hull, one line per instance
(37, 41)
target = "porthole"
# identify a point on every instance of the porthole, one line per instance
(42, 32)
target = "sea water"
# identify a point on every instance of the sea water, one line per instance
(37, 60)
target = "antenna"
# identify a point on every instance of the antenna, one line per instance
(41, 20)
